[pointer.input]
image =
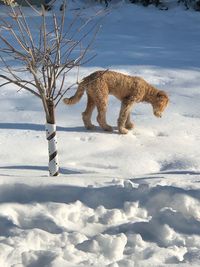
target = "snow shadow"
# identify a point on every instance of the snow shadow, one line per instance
(38, 127)
(39, 168)
(41, 127)
(6, 225)
(113, 196)
(185, 172)
(22, 126)
(155, 230)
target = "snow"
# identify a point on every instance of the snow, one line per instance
(121, 200)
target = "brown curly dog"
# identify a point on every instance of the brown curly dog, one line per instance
(128, 89)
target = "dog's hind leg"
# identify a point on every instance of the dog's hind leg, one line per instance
(101, 117)
(87, 114)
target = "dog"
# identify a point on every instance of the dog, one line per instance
(128, 89)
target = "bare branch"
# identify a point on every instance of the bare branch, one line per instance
(9, 69)
(11, 48)
(19, 84)
(32, 7)
(26, 26)
(50, 57)
(3, 84)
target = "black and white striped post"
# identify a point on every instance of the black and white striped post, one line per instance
(52, 141)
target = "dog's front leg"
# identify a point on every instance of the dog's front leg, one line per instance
(129, 124)
(124, 115)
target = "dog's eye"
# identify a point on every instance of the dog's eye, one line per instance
(161, 95)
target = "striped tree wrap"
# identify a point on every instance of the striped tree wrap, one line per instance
(52, 145)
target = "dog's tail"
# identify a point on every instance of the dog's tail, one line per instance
(77, 96)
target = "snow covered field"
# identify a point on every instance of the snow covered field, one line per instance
(121, 200)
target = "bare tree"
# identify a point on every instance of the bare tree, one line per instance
(58, 49)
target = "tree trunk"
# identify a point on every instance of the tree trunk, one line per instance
(52, 140)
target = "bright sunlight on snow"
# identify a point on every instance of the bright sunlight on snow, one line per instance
(121, 200)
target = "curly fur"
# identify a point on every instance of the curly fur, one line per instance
(128, 89)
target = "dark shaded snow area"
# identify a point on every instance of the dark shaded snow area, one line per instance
(122, 222)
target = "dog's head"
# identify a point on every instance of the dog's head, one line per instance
(160, 103)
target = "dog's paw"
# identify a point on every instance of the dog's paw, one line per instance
(90, 127)
(129, 125)
(123, 130)
(108, 128)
